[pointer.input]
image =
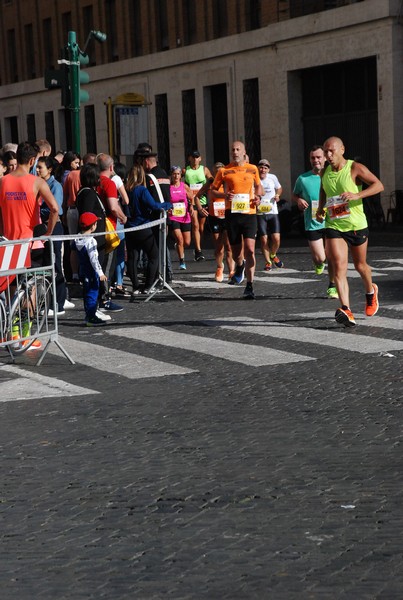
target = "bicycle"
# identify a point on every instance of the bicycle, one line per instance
(25, 300)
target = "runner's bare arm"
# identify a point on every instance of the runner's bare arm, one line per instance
(361, 174)
(43, 190)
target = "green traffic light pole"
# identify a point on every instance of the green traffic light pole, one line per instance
(76, 58)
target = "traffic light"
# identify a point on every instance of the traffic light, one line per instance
(83, 78)
(70, 77)
(59, 78)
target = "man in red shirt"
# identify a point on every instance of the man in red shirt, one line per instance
(108, 193)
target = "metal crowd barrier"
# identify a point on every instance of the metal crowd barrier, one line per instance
(28, 293)
(26, 296)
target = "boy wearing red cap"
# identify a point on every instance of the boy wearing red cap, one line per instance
(90, 269)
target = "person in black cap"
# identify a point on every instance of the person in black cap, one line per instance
(142, 149)
(150, 165)
(196, 176)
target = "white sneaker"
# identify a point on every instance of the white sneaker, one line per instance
(59, 313)
(68, 305)
(103, 316)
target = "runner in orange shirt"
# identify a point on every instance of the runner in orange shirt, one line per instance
(242, 193)
(20, 193)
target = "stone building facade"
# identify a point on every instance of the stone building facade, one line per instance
(280, 75)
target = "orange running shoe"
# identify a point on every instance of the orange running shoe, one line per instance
(219, 274)
(372, 305)
(36, 345)
(345, 317)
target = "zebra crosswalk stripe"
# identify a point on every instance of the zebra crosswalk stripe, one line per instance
(127, 364)
(334, 339)
(33, 385)
(376, 321)
(244, 353)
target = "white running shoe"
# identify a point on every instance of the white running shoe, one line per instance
(103, 316)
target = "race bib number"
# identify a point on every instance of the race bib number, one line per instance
(240, 203)
(195, 187)
(314, 208)
(219, 209)
(265, 206)
(179, 209)
(337, 208)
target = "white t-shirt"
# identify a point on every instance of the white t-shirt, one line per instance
(270, 185)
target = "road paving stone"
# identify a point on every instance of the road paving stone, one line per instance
(279, 482)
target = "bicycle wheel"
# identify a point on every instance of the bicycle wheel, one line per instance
(29, 312)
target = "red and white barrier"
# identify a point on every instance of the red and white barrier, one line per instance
(13, 257)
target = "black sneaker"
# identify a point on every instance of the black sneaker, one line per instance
(95, 322)
(249, 294)
(110, 306)
(239, 274)
(122, 292)
(199, 255)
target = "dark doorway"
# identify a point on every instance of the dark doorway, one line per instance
(341, 100)
(219, 118)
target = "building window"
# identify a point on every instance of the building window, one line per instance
(12, 56)
(253, 14)
(31, 128)
(66, 24)
(90, 129)
(137, 30)
(162, 25)
(12, 135)
(189, 22)
(189, 121)
(220, 18)
(252, 119)
(29, 51)
(47, 38)
(50, 128)
(161, 122)
(112, 40)
(88, 25)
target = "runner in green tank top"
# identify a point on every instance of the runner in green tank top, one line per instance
(346, 225)
(196, 176)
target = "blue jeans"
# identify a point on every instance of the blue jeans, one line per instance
(120, 255)
(90, 295)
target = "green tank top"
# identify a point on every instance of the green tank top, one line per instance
(347, 217)
(195, 178)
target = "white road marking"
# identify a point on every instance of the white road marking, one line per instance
(119, 362)
(376, 321)
(354, 343)
(393, 306)
(246, 354)
(398, 261)
(282, 280)
(33, 385)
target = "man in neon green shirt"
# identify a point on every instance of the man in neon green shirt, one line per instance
(346, 225)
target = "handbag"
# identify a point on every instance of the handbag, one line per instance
(112, 240)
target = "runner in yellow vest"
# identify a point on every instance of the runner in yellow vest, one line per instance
(346, 224)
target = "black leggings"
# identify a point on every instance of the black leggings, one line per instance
(141, 240)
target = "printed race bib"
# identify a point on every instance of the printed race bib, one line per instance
(179, 209)
(195, 187)
(219, 209)
(337, 208)
(265, 206)
(240, 203)
(314, 208)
